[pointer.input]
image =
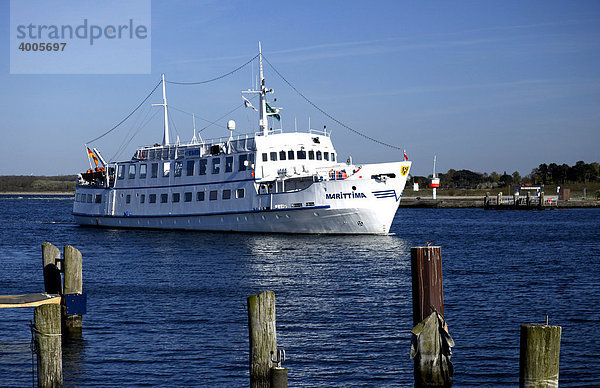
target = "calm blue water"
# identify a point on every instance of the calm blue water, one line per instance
(169, 308)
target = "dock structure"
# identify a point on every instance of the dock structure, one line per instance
(517, 202)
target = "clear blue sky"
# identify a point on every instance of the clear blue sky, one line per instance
(484, 85)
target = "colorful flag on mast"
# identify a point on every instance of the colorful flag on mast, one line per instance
(248, 104)
(273, 112)
(92, 155)
(405, 157)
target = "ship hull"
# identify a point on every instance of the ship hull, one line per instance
(315, 220)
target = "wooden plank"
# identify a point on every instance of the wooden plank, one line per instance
(28, 300)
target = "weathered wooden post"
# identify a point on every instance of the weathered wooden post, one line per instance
(47, 328)
(263, 338)
(431, 342)
(541, 204)
(499, 200)
(528, 201)
(52, 279)
(539, 357)
(486, 199)
(73, 290)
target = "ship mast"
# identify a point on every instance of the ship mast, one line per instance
(165, 140)
(264, 125)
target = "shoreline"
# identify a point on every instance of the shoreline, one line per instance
(448, 202)
(52, 193)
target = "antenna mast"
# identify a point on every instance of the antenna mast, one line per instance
(164, 105)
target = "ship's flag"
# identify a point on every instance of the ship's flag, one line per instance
(405, 157)
(93, 156)
(273, 112)
(248, 104)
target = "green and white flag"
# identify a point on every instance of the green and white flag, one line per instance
(273, 112)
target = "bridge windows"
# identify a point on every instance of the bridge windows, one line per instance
(291, 155)
(175, 197)
(282, 155)
(240, 193)
(187, 197)
(143, 171)
(213, 195)
(216, 165)
(229, 164)
(164, 198)
(301, 154)
(121, 172)
(273, 156)
(202, 166)
(131, 171)
(319, 156)
(154, 172)
(200, 196)
(311, 155)
(178, 168)
(190, 167)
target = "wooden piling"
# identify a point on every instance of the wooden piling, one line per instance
(73, 285)
(47, 328)
(431, 341)
(52, 279)
(263, 338)
(427, 290)
(539, 357)
(279, 377)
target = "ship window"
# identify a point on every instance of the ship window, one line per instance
(273, 156)
(281, 155)
(190, 167)
(143, 198)
(98, 198)
(128, 198)
(265, 157)
(311, 155)
(187, 197)
(175, 197)
(216, 162)
(154, 173)
(178, 168)
(165, 153)
(151, 154)
(229, 164)
(89, 198)
(166, 169)
(152, 198)
(200, 196)
(131, 171)
(326, 155)
(241, 160)
(240, 193)
(172, 153)
(202, 166)
(319, 157)
(143, 171)
(332, 157)
(121, 173)
(213, 195)
(226, 194)
(301, 154)
(164, 198)
(291, 155)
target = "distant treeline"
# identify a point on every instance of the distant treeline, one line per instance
(33, 184)
(546, 174)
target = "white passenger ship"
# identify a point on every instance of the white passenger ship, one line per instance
(270, 181)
